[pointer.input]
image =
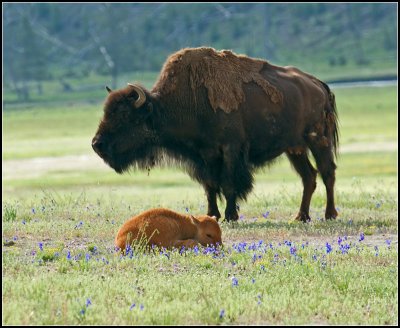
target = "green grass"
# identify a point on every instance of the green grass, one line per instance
(274, 286)
(59, 224)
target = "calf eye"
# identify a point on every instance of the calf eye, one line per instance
(209, 236)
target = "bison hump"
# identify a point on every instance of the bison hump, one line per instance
(222, 73)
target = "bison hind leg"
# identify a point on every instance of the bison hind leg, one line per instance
(308, 174)
(326, 166)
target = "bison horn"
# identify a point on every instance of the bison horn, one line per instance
(141, 95)
(108, 89)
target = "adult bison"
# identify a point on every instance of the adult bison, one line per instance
(221, 116)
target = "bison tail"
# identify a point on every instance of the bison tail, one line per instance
(332, 124)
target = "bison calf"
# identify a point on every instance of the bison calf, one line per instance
(166, 228)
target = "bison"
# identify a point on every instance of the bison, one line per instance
(165, 228)
(220, 116)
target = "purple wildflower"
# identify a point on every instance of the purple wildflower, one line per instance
(265, 215)
(132, 306)
(361, 236)
(235, 282)
(41, 246)
(339, 241)
(253, 280)
(87, 257)
(88, 302)
(388, 242)
(221, 313)
(328, 248)
(141, 307)
(293, 250)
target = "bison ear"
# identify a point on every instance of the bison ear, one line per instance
(108, 89)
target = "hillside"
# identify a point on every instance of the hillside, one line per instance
(73, 44)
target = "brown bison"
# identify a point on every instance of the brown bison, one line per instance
(163, 227)
(221, 116)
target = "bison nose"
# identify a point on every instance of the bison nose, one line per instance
(98, 145)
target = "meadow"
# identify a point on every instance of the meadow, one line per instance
(62, 207)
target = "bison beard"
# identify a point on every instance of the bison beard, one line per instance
(220, 116)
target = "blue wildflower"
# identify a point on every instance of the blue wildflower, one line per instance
(141, 307)
(265, 215)
(388, 242)
(361, 236)
(221, 313)
(196, 250)
(235, 282)
(41, 246)
(328, 248)
(293, 250)
(132, 306)
(23, 222)
(87, 257)
(339, 241)
(262, 267)
(88, 302)
(33, 210)
(253, 280)
(182, 250)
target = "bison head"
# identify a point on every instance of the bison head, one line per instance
(125, 133)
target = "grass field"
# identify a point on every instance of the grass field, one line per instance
(62, 207)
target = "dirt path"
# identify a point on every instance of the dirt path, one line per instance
(35, 167)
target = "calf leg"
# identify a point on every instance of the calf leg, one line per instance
(308, 175)
(187, 243)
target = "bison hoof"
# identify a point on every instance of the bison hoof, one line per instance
(214, 213)
(232, 217)
(331, 214)
(303, 217)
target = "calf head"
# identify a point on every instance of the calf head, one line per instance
(125, 135)
(208, 230)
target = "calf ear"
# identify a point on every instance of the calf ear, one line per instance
(214, 217)
(194, 219)
(108, 89)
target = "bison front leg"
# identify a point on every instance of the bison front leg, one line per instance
(212, 202)
(236, 179)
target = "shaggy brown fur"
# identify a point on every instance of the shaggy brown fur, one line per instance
(220, 116)
(163, 227)
(221, 72)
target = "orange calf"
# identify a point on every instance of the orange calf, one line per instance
(163, 227)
